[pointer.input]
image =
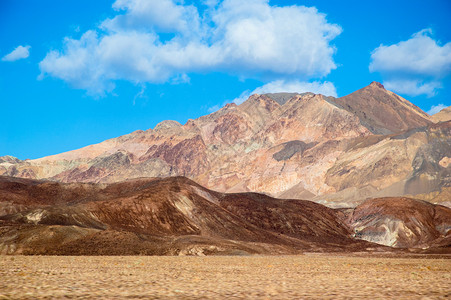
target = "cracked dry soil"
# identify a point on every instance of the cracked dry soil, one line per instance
(308, 276)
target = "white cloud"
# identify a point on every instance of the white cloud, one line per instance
(413, 67)
(293, 40)
(181, 78)
(210, 3)
(140, 94)
(79, 65)
(419, 55)
(436, 108)
(413, 87)
(154, 41)
(20, 52)
(161, 15)
(281, 86)
(215, 107)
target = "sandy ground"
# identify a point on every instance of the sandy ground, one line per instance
(254, 277)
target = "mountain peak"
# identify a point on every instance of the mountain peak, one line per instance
(9, 159)
(389, 112)
(167, 124)
(377, 84)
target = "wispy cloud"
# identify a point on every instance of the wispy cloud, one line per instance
(293, 86)
(281, 86)
(140, 94)
(413, 67)
(20, 52)
(436, 108)
(157, 41)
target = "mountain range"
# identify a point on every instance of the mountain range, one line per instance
(282, 173)
(336, 151)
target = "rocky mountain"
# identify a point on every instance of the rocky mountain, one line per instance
(382, 111)
(336, 151)
(176, 216)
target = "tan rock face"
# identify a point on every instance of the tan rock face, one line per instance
(442, 116)
(369, 143)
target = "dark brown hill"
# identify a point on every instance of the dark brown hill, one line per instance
(402, 223)
(171, 216)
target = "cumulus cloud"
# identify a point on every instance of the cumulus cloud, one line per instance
(413, 67)
(293, 86)
(20, 52)
(419, 55)
(154, 41)
(436, 108)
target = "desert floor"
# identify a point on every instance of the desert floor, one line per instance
(224, 277)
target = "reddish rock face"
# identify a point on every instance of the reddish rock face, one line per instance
(370, 143)
(188, 155)
(230, 128)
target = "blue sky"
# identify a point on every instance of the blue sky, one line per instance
(77, 72)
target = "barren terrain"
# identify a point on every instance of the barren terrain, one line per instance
(224, 277)
(176, 216)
